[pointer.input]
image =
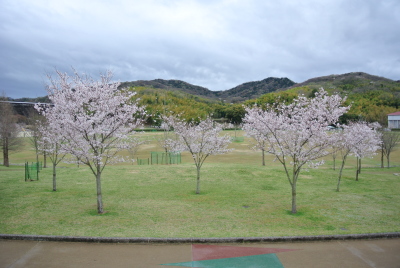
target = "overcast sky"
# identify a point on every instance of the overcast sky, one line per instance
(217, 44)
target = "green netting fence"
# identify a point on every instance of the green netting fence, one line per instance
(145, 161)
(32, 171)
(159, 158)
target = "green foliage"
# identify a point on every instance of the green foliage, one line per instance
(371, 97)
(369, 101)
(237, 94)
(163, 102)
(234, 113)
(286, 96)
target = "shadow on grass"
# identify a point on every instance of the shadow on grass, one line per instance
(298, 214)
(93, 212)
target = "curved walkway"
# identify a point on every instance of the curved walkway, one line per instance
(369, 250)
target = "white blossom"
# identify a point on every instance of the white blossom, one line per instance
(201, 140)
(297, 133)
(358, 139)
(94, 117)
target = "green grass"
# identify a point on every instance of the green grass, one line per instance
(239, 197)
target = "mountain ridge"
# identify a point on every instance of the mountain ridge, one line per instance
(239, 93)
(254, 89)
(346, 78)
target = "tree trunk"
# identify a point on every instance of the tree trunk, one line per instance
(294, 206)
(198, 180)
(334, 162)
(296, 172)
(6, 161)
(45, 159)
(340, 174)
(357, 169)
(99, 197)
(166, 156)
(382, 165)
(54, 177)
(263, 157)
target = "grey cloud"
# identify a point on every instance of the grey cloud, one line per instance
(216, 44)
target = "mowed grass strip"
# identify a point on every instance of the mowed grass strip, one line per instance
(239, 198)
(236, 200)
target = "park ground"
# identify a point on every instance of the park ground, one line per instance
(239, 198)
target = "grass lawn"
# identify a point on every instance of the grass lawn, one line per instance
(239, 197)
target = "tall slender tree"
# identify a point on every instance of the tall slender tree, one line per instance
(297, 133)
(35, 121)
(390, 140)
(95, 118)
(8, 129)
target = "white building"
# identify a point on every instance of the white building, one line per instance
(394, 120)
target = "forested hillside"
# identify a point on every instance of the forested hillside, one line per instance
(237, 94)
(371, 97)
(251, 90)
(170, 85)
(164, 102)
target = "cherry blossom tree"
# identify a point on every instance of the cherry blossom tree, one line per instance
(135, 145)
(367, 145)
(95, 118)
(260, 140)
(50, 142)
(343, 145)
(335, 150)
(297, 133)
(201, 140)
(358, 139)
